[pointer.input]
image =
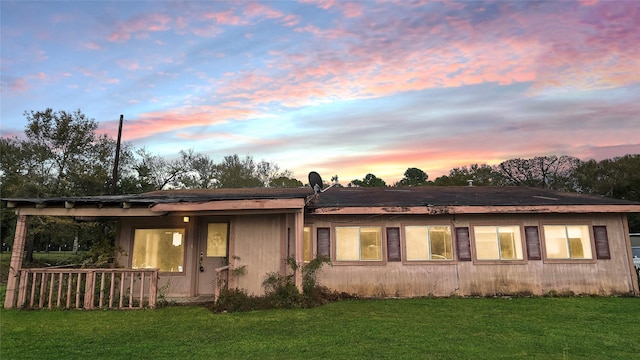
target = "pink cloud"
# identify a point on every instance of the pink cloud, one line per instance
(542, 48)
(92, 46)
(224, 18)
(132, 65)
(140, 26)
(18, 85)
(153, 123)
(322, 4)
(352, 9)
(258, 10)
(255, 9)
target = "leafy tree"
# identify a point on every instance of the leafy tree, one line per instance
(200, 171)
(66, 155)
(414, 177)
(482, 175)
(285, 182)
(369, 180)
(617, 178)
(61, 156)
(234, 172)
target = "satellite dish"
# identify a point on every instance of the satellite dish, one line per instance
(315, 181)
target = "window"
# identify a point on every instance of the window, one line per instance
(158, 248)
(307, 244)
(567, 241)
(217, 239)
(498, 242)
(358, 243)
(428, 243)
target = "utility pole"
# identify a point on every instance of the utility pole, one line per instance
(117, 159)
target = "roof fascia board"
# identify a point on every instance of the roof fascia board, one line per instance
(90, 212)
(234, 212)
(438, 210)
(230, 205)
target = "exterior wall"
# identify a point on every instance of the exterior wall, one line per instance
(257, 243)
(262, 242)
(467, 278)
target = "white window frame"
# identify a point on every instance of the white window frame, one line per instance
(517, 241)
(585, 242)
(429, 257)
(359, 244)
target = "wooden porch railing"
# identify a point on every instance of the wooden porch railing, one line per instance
(222, 276)
(87, 288)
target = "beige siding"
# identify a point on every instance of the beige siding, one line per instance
(257, 243)
(483, 278)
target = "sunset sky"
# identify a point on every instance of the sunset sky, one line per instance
(341, 88)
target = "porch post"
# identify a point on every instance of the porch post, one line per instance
(16, 261)
(299, 233)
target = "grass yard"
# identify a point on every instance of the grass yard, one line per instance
(532, 328)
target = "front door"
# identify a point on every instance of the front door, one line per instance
(213, 244)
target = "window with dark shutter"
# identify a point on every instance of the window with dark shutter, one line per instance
(463, 245)
(532, 237)
(393, 244)
(602, 242)
(324, 241)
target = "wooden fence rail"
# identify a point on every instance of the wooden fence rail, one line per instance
(87, 288)
(223, 281)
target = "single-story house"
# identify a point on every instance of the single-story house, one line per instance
(382, 242)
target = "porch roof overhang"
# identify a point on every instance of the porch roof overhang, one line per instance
(160, 203)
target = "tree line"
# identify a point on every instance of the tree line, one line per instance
(617, 178)
(62, 155)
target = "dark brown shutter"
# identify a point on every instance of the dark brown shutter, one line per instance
(393, 244)
(533, 242)
(324, 242)
(602, 242)
(463, 246)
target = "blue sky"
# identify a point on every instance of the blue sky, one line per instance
(345, 88)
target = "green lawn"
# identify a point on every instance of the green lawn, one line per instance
(532, 328)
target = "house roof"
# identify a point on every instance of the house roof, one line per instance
(457, 196)
(336, 200)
